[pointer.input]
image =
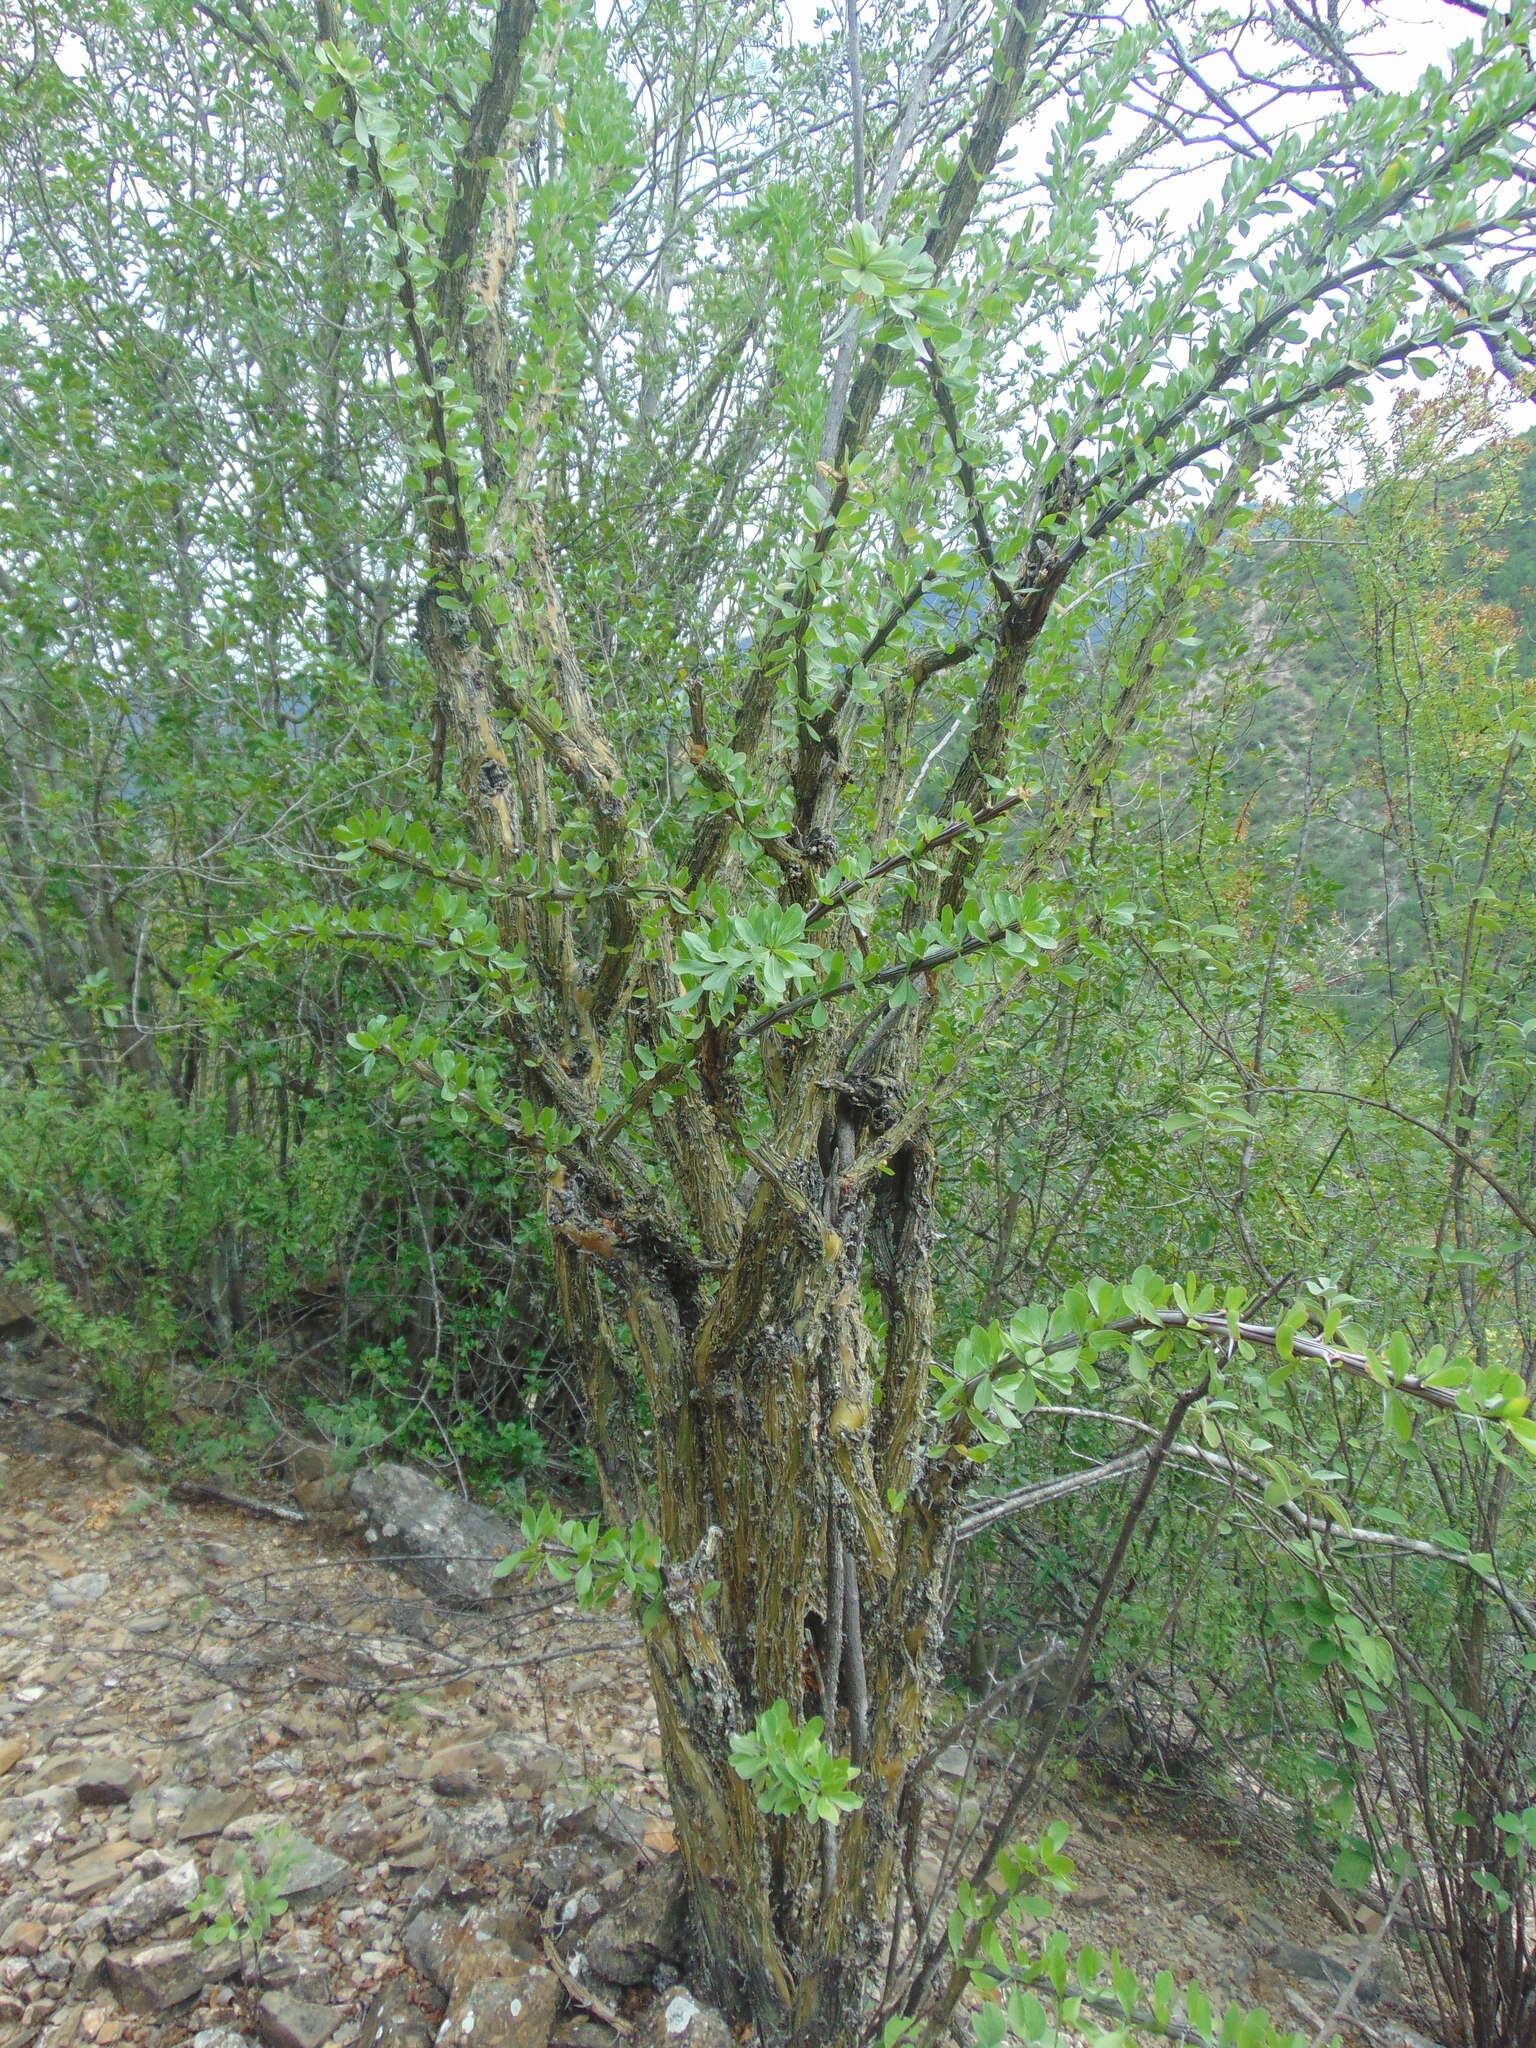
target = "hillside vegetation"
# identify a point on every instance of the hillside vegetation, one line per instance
(735, 799)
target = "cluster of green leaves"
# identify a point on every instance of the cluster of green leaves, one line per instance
(597, 1564)
(124, 1354)
(765, 946)
(1330, 1635)
(1519, 1833)
(1046, 1992)
(420, 1408)
(887, 269)
(244, 1908)
(1000, 1371)
(451, 929)
(792, 1768)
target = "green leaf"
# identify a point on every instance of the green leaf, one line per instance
(1352, 1868)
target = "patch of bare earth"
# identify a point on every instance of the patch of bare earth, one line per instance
(185, 1689)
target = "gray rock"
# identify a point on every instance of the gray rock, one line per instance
(354, 1832)
(488, 1943)
(108, 1781)
(568, 1811)
(1327, 1966)
(306, 1872)
(465, 1763)
(30, 1822)
(455, 1784)
(219, 1712)
(323, 1498)
(504, 2012)
(646, 1927)
(568, 1867)
(535, 1768)
(621, 1827)
(577, 1913)
(679, 2021)
(144, 1906)
(391, 2021)
(165, 1974)
(78, 1591)
(255, 1826)
(286, 2022)
(456, 1950)
(63, 2024)
(444, 1544)
(22, 1937)
(219, 1739)
(211, 1813)
(219, 2037)
(225, 1755)
(90, 1968)
(477, 1830)
(302, 1973)
(54, 1390)
(427, 1943)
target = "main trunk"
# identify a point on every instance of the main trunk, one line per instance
(789, 1476)
(803, 1530)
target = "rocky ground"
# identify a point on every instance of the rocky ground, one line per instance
(200, 1707)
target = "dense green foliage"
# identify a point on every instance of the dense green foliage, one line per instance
(1312, 1060)
(208, 665)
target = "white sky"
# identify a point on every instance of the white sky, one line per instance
(1406, 36)
(1399, 41)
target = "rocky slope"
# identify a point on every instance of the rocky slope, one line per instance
(462, 1805)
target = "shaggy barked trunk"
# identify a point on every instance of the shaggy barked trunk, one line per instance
(804, 1539)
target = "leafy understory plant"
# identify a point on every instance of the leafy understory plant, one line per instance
(1043, 1992)
(243, 1909)
(122, 1353)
